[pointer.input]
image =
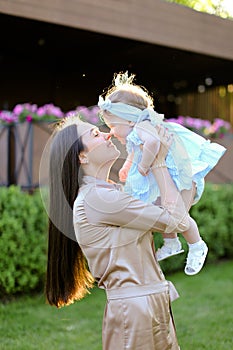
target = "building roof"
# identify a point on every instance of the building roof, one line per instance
(152, 21)
(68, 44)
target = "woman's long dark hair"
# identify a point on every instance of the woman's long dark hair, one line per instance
(67, 277)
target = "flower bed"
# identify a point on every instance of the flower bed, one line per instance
(216, 129)
(47, 113)
(32, 113)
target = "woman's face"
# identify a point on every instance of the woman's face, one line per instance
(98, 145)
(120, 128)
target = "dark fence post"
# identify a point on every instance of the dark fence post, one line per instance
(11, 176)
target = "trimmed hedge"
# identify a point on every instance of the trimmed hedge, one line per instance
(23, 226)
(23, 235)
(214, 217)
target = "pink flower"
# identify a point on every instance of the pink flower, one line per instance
(90, 114)
(18, 109)
(70, 114)
(216, 129)
(41, 111)
(50, 109)
(8, 117)
(29, 118)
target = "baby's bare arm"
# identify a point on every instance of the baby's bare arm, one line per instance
(128, 161)
(151, 144)
(123, 172)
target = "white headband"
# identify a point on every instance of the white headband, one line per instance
(128, 112)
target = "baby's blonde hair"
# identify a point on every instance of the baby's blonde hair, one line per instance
(124, 90)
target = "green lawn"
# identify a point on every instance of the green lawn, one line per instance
(203, 315)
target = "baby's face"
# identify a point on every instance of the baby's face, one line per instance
(119, 128)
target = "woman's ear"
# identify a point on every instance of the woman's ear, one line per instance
(83, 158)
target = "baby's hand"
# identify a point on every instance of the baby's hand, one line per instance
(143, 170)
(123, 173)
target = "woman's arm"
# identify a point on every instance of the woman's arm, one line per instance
(104, 205)
(168, 190)
(170, 196)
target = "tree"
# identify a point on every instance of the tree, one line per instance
(215, 7)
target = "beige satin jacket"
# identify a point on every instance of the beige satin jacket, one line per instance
(115, 233)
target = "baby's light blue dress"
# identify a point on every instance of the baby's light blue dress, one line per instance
(190, 158)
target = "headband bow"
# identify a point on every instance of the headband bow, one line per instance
(128, 112)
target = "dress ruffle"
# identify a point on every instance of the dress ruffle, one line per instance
(190, 158)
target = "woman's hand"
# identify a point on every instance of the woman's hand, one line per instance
(166, 140)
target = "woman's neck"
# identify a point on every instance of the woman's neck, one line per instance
(101, 173)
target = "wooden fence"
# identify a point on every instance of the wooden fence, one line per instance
(215, 102)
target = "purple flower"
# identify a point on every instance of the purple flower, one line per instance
(220, 123)
(18, 109)
(41, 111)
(206, 123)
(216, 129)
(8, 117)
(190, 122)
(181, 120)
(29, 118)
(90, 114)
(70, 114)
(51, 110)
(83, 111)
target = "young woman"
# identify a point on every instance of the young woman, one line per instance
(93, 221)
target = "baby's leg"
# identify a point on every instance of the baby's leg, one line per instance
(188, 198)
(192, 235)
(171, 244)
(197, 247)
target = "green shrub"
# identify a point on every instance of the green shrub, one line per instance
(214, 217)
(23, 226)
(23, 235)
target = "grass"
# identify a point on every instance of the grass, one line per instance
(204, 312)
(203, 316)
